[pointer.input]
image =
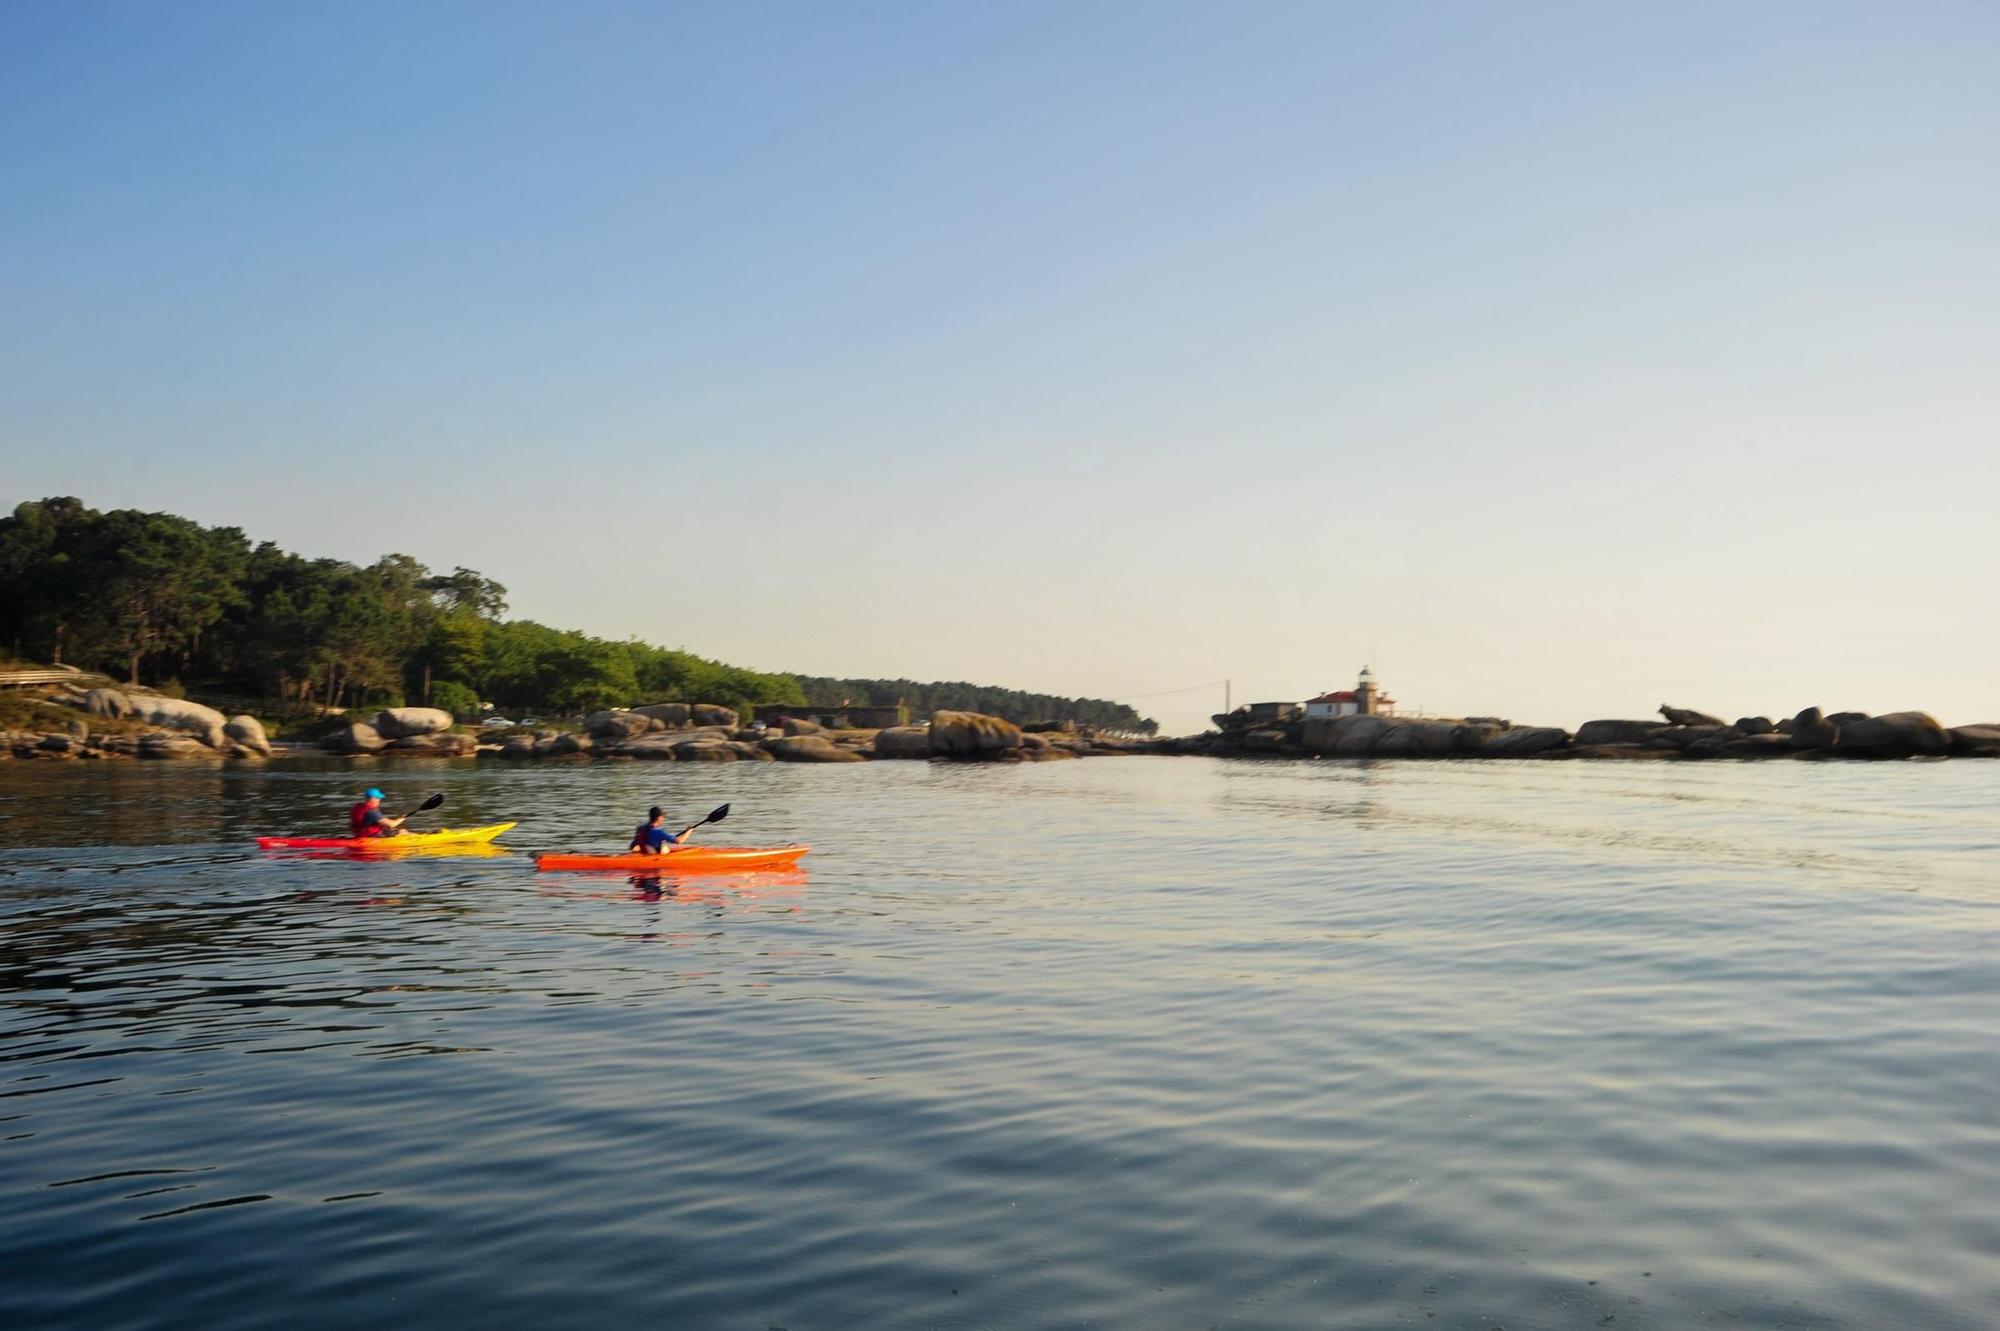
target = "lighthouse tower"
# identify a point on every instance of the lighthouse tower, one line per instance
(1364, 693)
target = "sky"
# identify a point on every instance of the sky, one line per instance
(1559, 360)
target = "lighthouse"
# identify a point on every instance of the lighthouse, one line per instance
(1364, 692)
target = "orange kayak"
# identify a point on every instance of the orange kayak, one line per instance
(688, 859)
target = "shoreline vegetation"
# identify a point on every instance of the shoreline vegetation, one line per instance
(392, 660)
(174, 608)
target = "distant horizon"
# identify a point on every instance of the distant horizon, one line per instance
(1557, 362)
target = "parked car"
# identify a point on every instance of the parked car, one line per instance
(497, 723)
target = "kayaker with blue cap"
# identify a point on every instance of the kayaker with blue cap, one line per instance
(366, 819)
(651, 838)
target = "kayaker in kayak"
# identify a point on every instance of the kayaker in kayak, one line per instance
(651, 838)
(366, 819)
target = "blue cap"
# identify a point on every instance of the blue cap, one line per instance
(372, 793)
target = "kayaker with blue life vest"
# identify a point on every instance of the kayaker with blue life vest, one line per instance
(366, 819)
(652, 838)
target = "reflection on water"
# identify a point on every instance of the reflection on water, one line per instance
(1133, 1043)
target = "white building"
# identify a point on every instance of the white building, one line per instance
(1364, 699)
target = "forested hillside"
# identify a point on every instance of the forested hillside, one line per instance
(153, 598)
(157, 599)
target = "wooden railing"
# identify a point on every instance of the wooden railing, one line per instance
(48, 675)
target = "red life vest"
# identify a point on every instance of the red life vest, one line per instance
(358, 825)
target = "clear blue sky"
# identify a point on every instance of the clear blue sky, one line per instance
(1562, 359)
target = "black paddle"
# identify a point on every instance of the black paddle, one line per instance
(430, 803)
(715, 816)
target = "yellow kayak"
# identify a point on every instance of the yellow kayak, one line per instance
(446, 836)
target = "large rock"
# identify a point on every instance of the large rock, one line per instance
(1754, 725)
(435, 745)
(617, 724)
(1343, 735)
(754, 753)
(672, 713)
(972, 735)
(1418, 739)
(173, 746)
(179, 714)
(1256, 741)
(1683, 737)
(1976, 741)
(107, 703)
(903, 742)
(1682, 716)
(1810, 730)
(810, 749)
(565, 744)
(1593, 733)
(248, 732)
(1731, 743)
(714, 714)
(654, 748)
(1896, 735)
(356, 737)
(704, 751)
(403, 722)
(1522, 742)
(798, 725)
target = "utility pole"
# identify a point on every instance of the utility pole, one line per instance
(1226, 708)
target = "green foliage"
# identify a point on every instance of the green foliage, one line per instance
(1009, 704)
(461, 700)
(153, 596)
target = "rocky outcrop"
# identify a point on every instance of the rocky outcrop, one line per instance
(355, 737)
(1593, 733)
(671, 713)
(566, 744)
(108, 703)
(1754, 725)
(1522, 742)
(1810, 730)
(173, 746)
(1349, 736)
(1896, 735)
(903, 742)
(617, 724)
(247, 732)
(972, 735)
(1982, 741)
(173, 713)
(403, 722)
(434, 745)
(1682, 716)
(810, 749)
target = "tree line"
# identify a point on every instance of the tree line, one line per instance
(153, 598)
(957, 696)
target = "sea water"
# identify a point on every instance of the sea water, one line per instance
(1144, 1042)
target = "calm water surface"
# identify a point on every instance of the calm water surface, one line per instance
(1122, 1043)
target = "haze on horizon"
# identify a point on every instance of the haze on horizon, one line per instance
(1559, 360)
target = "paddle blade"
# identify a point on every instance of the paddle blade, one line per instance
(717, 816)
(430, 803)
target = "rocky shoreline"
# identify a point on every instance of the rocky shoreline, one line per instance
(116, 724)
(1680, 734)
